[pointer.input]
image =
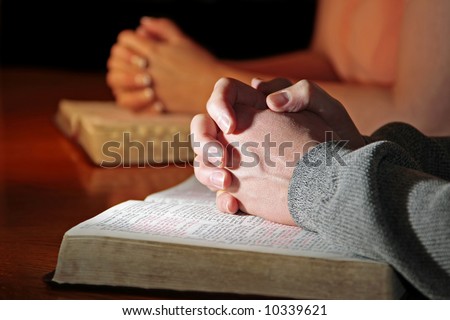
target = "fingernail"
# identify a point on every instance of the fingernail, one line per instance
(143, 79)
(217, 179)
(279, 99)
(224, 123)
(215, 156)
(149, 93)
(159, 107)
(228, 205)
(139, 62)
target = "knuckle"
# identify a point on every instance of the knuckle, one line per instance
(223, 81)
(305, 85)
(114, 49)
(124, 101)
(109, 79)
(304, 89)
(110, 63)
(123, 35)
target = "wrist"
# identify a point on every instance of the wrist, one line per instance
(314, 181)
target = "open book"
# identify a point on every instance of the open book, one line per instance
(177, 239)
(113, 136)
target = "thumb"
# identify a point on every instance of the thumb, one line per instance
(306, 95)
(268, 87)
(292, 99)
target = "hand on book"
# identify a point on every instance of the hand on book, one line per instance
(247, 152)
(146, 65)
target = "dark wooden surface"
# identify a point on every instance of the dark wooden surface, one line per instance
(47, 184)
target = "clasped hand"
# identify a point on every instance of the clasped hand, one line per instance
(248, 144)
(146, 64)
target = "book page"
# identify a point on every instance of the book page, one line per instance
(187, 214)
(189, 191)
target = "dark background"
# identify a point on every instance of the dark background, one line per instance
(79, 34)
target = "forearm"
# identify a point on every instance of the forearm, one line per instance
(369, 106)
(431, 154)
(380, 205)
(297, 65)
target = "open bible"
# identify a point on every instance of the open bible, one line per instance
(113, 136)
(176, 239)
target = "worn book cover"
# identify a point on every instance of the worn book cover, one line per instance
(112, 136)
(178, 240)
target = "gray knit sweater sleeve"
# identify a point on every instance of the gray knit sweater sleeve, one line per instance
(389, 200)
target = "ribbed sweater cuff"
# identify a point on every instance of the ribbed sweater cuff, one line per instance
(314, 181)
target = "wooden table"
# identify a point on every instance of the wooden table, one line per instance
(47, 184)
